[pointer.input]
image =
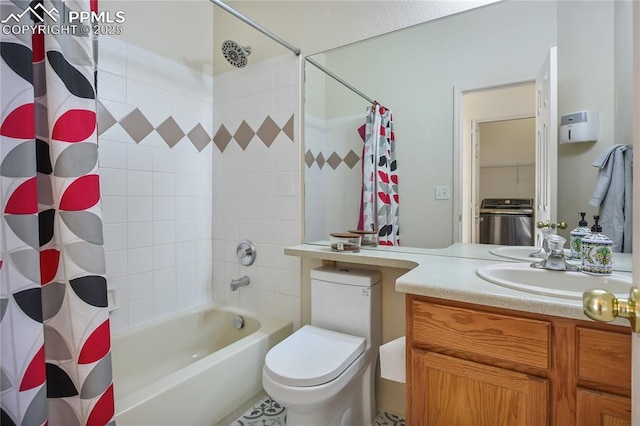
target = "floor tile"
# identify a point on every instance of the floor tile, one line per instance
(268, 412)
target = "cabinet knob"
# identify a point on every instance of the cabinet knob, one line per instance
(601, 305)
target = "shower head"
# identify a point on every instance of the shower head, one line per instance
(235, 54)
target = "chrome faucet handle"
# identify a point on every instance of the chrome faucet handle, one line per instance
(544, 249)
(246, 252)
(556, 260)
(556, 244)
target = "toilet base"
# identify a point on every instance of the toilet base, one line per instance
(353, 406)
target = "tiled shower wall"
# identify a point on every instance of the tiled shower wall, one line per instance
(155, 151)
(257, 184)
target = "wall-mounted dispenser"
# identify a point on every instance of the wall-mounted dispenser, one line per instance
(581, 126)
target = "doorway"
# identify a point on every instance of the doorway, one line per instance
(498, 149)
(506, 181)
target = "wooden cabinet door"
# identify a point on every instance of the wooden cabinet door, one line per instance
(602, 409)
(455, 392)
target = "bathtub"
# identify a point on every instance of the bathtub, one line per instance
(193, 368)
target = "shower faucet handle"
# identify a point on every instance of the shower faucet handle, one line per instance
(246, 252)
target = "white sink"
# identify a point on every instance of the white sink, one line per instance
(520, 253)
(567, 285)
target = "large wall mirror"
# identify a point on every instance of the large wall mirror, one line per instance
(417, 71)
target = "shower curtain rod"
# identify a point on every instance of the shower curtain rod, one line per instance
(257, 26)
(339, 80)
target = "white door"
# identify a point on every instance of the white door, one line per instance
(546, 141)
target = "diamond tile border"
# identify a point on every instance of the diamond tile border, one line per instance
(267, 132)
(138, 127)
(170, 132)
(243, 135)
(222, 138)
(351, 159)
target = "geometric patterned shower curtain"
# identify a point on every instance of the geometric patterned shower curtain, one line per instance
(379, 201)
(55, 362)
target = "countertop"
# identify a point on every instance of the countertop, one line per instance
(450, 273)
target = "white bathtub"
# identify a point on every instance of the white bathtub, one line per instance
(193, 368)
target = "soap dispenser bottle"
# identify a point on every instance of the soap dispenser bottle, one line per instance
(597, 251)
(582, 230)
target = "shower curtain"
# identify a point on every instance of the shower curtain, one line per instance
(379, 202)
(55, 364)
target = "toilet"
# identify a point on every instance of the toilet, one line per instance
(324, 373)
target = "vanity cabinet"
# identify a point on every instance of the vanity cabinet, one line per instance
(476, 365)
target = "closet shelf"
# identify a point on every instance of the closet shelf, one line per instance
(516, 164)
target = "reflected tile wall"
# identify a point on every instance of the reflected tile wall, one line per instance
(333, 175)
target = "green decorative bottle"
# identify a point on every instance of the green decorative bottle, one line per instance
(597, 254)
(582, 230)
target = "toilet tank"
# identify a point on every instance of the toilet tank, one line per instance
(347, 300)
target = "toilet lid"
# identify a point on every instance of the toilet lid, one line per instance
(312, 356)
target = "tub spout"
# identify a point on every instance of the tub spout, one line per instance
(240, 282)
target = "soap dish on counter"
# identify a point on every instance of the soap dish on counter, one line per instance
(345, 242)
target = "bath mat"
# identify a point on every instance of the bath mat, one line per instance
(268, 412)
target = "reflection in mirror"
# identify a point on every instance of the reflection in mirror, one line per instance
(415, 72)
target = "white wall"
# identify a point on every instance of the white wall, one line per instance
(257, 190)
(414, 71)
(156, 199)
(316, 26)
(507, 159)
(588, 69)
(180, 31)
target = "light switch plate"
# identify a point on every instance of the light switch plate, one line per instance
(443, 193)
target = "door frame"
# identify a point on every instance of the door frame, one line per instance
(635, 347)
(462, 190)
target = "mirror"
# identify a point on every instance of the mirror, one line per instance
(415, 71)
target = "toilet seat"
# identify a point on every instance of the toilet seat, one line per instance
(312, 356)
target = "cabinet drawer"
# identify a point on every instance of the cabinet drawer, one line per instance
(604, 357)
(501, 337)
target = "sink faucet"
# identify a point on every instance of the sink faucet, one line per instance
(555, 260)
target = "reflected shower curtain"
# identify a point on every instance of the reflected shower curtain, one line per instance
(379, 203)
(55, 362)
